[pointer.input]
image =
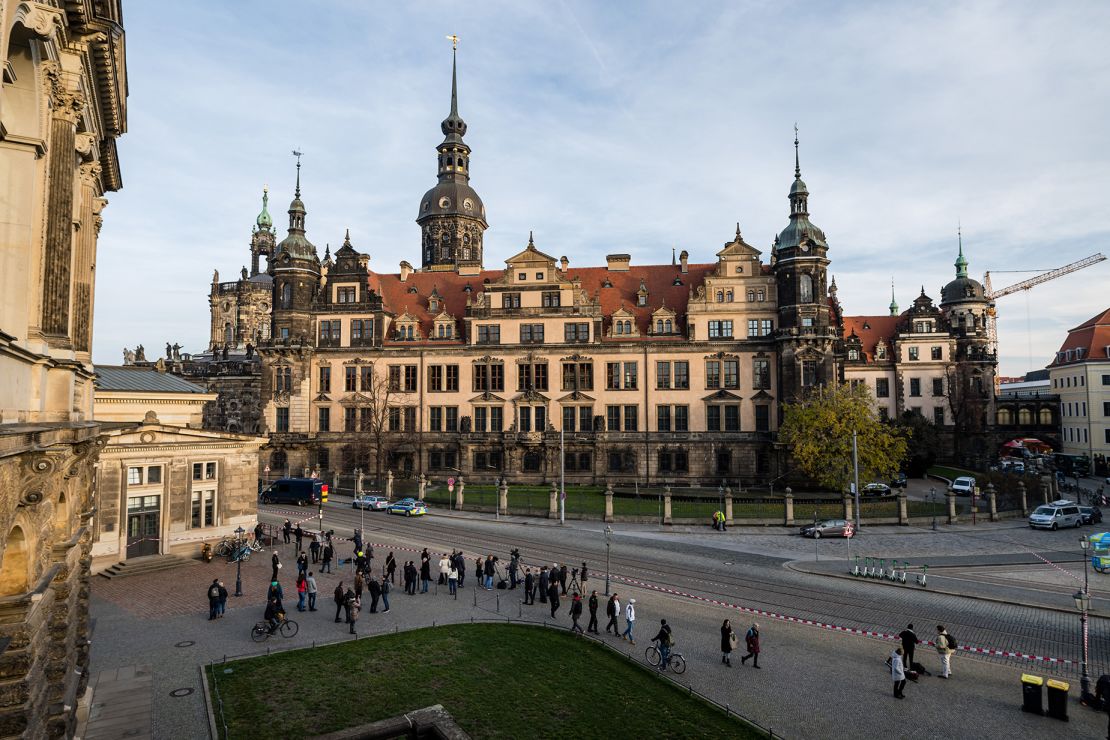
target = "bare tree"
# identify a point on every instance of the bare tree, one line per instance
(967, 401)
(384, 418)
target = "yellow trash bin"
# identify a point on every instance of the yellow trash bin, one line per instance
(1031, 694)
(1058, 699)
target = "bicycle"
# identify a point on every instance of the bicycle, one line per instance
(675, 660)
(223, 547)
(261, 630)
(239, 552)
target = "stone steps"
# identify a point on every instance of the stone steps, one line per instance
(143, 565)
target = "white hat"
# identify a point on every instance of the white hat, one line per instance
(632, 601)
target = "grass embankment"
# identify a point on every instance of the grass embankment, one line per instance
(945, 471)
(496, 680)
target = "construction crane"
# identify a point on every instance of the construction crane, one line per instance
(1044, 277)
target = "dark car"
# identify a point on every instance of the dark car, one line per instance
(299, 491)
(1091, 514)
(827, 528)
(898, 481)
(876, 489)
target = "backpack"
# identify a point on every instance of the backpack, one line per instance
(214, 592)
(669, 641)
(951, 642)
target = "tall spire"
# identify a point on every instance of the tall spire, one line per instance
(797, 161)
(893, 303)
(454, 77)
(296, 207)
(298, 155)
(264, 220)
(961, 261)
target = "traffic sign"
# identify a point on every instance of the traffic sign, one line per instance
(323, 494)
(848, 530)
(450, 481)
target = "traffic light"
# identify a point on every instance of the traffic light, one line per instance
(324, 494)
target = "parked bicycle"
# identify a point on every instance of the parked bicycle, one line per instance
(261, 631)
(675, 660)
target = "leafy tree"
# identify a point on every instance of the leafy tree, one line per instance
(818, 429)
(922, 440)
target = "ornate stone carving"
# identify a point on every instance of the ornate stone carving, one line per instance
(37, 18)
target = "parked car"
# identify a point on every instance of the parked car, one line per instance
(876, 489)
(374, 503)
(963, 486)
(827, 528)
(408, 507)
(1056, 515)
(1091, 514)
(898, 481)
(299, 491)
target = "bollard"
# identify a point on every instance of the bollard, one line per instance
(498, 597)
(475, 597)
(1024, 502)
(992, 500)
(667, 505)
(608, 502)
(951, 496)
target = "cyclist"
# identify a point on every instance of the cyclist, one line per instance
(273, 614)
(665, 640)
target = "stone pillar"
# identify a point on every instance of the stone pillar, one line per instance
(667, 505)
(728, 507)
(608, 502)
(57, 268)
(359, 482)
(460, 488)
(1024, 503)
(903, 510)
(503, 498)
(788, 503)
(85, 249)
(553, 504)
(423, 485)
(992, 500)
(389, 484)
(951, 496)
(848, 511)
(1045, 487)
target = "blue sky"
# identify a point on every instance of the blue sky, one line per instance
(621, 127)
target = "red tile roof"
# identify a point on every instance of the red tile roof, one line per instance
(1092, 336)
(871, 330)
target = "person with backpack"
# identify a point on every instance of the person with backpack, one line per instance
(909, 644)
(665, 640)
(946, 645)
(214, 599)
(329, 553)
(751, 639)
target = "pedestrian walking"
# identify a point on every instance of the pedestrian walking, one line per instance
(544, 583)
(563, 578)
(353, 606)
(329, 553)
(302, 591)
(576, 612)
(385, 595)
(340, 599)
(592, 626)
(751, 639)
(529, 587)
(613, 610)
(286, 531)
(583, 575)
(630, 621)
(553, 597)
(214, 599)
(223, 601)
(909, 644)
(898, 672)
(357, 539)
(453, 580)
(360, 585)
(310, 583)
(275, 562)
(390, 567)
(728, 642)
(298, 535)
(514, 566)
(425, 573)
(946, 645)
(460, 566)
(375, 590)
(314, 548)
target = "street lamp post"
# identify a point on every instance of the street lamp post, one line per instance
(239, 561)
(933, 498)
(1083, 604)
(608, 544)
(1086, 545)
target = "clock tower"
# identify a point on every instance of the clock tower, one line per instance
(808, 329)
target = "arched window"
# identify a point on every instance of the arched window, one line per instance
(14, 575)
(619, 327)
(751, 296)
(1045, 417)
(1025, 416)
(659, 326)
(286, 295)
(669, 326)
(228, 335)
(720, 296)
(805, 289)
(628, 327)
(278, 463)
(1005, 418)
(728, 297)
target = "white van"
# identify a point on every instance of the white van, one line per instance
(1056, 515)
(963, 486)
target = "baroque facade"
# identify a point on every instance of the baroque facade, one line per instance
(62, 106)
(1080, 377)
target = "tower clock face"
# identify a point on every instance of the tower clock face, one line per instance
(468, 205)
(445, 202)
(804, 245)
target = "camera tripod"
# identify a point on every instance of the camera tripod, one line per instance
(574, 585)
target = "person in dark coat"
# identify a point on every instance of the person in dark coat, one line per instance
(302, 564)
(385, 595)
(286, 530)
(584, 574)
(298, 535)
(478, 569)
(375, 590)
(490, 571)
(545, 582)
(361, 563)
(360, 584)
(514, 566)
(563, 578)
(273, 614)
(460, 566)
(340, 599)
(214, 599)
(909, 643)
(390, 568)
(358, 541)
(728, 642)
(258, 533)
(576, 612)
(553, 597)
(223, 601)
(314, 548)
(529, 587)
(751, 639)
(329, 553)
(425, 573)
(276, 563)
(276, 592)
(353, 605)
(592, 626)
(613, 610)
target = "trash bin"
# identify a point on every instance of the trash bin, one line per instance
(1058, 699)
(1031, 694)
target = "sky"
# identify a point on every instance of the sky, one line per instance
(621, 127)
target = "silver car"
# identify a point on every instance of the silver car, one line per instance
(827, 528)
(1056, 515)
(374, 503)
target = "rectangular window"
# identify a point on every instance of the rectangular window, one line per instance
(394, 419)
(938, 386)
(712, 374)
(510, 300)
(323, 419)
(496, 419)
(615, 379)
(410, 418)
(732, 418)
(365, 419)
(935, 353)
(452, 377)
(350, 419)
(613, 418)
(612, 376)
(681, 374)
(525, 416)
(720, 329)
(347, 294)
(585, 418)
(809, 373)
(283, 420)
(732, 373)
(569, 417)
(203, 508)
(913, 353)
(1106, 408)
(394, 377)
(915, 387)
(153, 474)
(551, 299)
(578, 376)
(762, 418)
(882, 388)
(325, 379)
(938, 416)
(663, 418)
(713, 418)
(682, 418)
(765, 327)
(366, 378)
(350, 379)
(489, 334)
(435, 377)
(884, 413)
(761, 374)
(361, 329)
(631, 418)
(531, 333)
(576, 332)
(481, 418)
(435, 459)
(198, 471)
(753, 328)
(135, 476)
(662, 375)
(1106, 435)
(451, 419)
(435, 418)
(410, 378)
(630, 376)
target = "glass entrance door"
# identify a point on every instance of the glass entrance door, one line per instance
(143, 525)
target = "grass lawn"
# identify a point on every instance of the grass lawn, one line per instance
(945, 471)
(496, 680)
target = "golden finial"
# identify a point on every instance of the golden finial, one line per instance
(454, 42)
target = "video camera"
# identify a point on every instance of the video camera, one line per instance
(574, 573)
(515, 552)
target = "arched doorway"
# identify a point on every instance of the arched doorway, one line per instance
(14, 567)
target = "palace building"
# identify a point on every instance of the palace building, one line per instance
(620, 372)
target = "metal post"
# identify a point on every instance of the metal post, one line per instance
(562, 478)
(1085, 679)
(608, 536)
(855, 468)
(933, 498)
(239, 562)
(816, 554)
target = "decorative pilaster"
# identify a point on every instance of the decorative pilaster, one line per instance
(85, 255)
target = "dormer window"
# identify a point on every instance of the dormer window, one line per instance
(880, 352)
(433, 306)
(641, 300)
(853, 355)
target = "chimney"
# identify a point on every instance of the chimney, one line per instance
(618, 262)
(406, 270)
(564, 263)
(683, 259)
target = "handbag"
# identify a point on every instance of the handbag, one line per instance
(733, 640)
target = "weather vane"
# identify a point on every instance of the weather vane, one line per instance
(298, 155)
(454, 42)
